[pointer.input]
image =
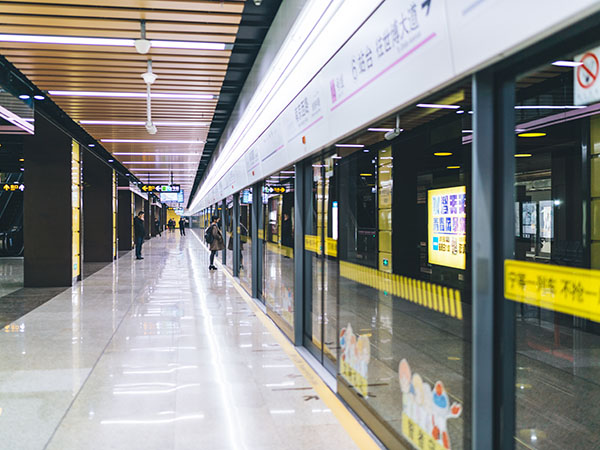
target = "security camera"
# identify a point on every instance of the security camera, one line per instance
(257, 2)
(142, 46)
(393, 134)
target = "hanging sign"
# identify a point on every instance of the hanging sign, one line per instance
(161, 188)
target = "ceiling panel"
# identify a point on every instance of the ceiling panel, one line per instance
(103, 68)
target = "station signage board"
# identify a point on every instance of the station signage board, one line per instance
(161, 188)
(11, 187)
(447, 227)
(274, 189)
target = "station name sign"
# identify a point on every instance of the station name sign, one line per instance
(13, 187)
(161, 188)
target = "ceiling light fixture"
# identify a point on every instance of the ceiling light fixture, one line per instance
(39, 97)
(436, 106)
(24, 97)
(383, 130)
(442, 154)
(453, 167)
(531, 135)
(142, 45)
(548, 107)
(166, 163)
(155, 154)
(166, 171)
(150, 141)
(350, 145)
(91, 145)
(523, 155)
(133, 95)
(567, 63)
(139, 123)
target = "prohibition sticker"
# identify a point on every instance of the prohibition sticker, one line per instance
(586, 87)
(587, 72)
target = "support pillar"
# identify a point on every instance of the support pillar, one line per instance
(98, 209)
(125, 213)
(48, 219)
(147, 217)
(236, 235)
(257, 241)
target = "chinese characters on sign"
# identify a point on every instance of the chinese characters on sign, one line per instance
(447, 226)
(568, 290)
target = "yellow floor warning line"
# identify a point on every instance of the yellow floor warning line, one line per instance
(352, 426)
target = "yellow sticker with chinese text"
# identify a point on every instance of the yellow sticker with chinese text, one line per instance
(568, 290)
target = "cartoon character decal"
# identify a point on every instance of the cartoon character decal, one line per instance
(355, 357)
(428, 409)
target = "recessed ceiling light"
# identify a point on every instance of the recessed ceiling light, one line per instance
(523, 155)
(39, 97)
(156, 162)
(133, 95)
(567, 63)
(150, 141)
(366, 174)
(136, 123)
(460, 111)
(442, 154)
(166, 171)
(531, 135)
(24, 97)
(436, 106)
(91, 145)
(453, 167)
(383, 130)
(111, 160)
(21, 159)
(350, 145)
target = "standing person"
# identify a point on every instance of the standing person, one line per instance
(217, 242)
(182, 226)
(287, 236)
(157, 226)
(140, 233)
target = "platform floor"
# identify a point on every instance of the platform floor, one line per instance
(158, 353)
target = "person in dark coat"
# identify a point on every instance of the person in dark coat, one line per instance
(157, 226)
(287, 236)
(140, 233)
(217, 243)
(182, 226)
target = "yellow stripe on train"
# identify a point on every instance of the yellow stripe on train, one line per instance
(428, 295)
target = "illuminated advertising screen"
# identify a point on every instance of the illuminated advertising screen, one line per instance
(169, 196)
(447, 226)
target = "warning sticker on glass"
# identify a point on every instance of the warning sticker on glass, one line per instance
(567, 290)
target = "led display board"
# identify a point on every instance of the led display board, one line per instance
(171, 197)
(447, 226)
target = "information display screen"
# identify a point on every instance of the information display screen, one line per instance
(447, 226)
(171, 197)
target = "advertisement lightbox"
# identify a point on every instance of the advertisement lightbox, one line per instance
(447, 220)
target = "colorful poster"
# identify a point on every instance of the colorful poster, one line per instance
(547, 219)
(447, 226)
(354, 362)
(425, 411)
(529, 218)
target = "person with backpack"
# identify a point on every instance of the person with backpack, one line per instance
(214, 238)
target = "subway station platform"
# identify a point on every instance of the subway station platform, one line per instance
(162, 353)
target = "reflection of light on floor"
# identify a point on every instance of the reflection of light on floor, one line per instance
(453, 358)
(532, 435)
(152, 421)
(522, 386)
(282, 411)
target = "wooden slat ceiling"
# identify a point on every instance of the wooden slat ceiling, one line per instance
(118, 69)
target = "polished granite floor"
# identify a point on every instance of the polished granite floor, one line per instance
(159, 353)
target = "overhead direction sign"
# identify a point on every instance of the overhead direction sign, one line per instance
(13, 187)
(161, 188)
(586, 84)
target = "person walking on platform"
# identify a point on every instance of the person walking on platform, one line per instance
(157, 226)
(182, 226)
(140, 233)
(215, 240)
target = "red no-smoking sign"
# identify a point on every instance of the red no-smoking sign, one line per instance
(587, 72)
